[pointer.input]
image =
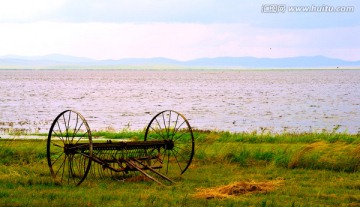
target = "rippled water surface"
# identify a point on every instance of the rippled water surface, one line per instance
(298, 100)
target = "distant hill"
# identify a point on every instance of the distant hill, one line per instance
(56, 61)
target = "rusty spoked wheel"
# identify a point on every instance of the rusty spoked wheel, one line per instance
(69, 148)
(175, 129)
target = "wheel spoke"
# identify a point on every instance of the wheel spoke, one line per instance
(81, 137)
(179, 126)
(180, 136)
(63, 166)
(174, 130)
(177, 159)
(162, 135)
(157, 132)
(66, 129)
(57, 145)
(170, 125)
(77, 120)
(163, 158)
(167, 163)
(164, 122)
(75, 132)
(68, 125)
(57, 158)
(61, 137)
(168, 131)
(69, 169)
(56, 134)
(73, 167)
(182, 149)
(180, 154)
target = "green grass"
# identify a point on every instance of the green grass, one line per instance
(123, 134)
(317, 169)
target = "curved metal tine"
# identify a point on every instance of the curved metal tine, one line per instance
(98, 167)
(93, 166)
(92, 169)
(75, 168)
(100, 170)
(153, 161)
(109, 156)
(162, 160)
(83, 163)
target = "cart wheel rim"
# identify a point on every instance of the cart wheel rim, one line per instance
(174, 127)
(69, 148)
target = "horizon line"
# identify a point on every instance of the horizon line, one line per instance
(169, 58)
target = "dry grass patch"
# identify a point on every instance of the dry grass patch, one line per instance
(238, 188)
(295, 161)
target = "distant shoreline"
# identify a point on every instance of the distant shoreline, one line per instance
(57, 61)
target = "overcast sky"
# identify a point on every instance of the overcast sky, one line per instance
(180, 29)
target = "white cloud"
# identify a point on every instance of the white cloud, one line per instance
(180, 29)
(178, 11)
(177, 40)
(24, 11)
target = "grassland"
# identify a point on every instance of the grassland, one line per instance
(310, 169)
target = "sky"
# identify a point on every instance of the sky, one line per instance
(180, 29)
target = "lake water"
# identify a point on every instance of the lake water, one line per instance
(276, 100)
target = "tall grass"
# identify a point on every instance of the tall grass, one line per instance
(123, 134)
(286, 137)
(331, 151)
(22, 152)
(109, 134)
(318, 169)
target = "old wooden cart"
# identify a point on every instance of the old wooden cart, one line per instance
(72, 153)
